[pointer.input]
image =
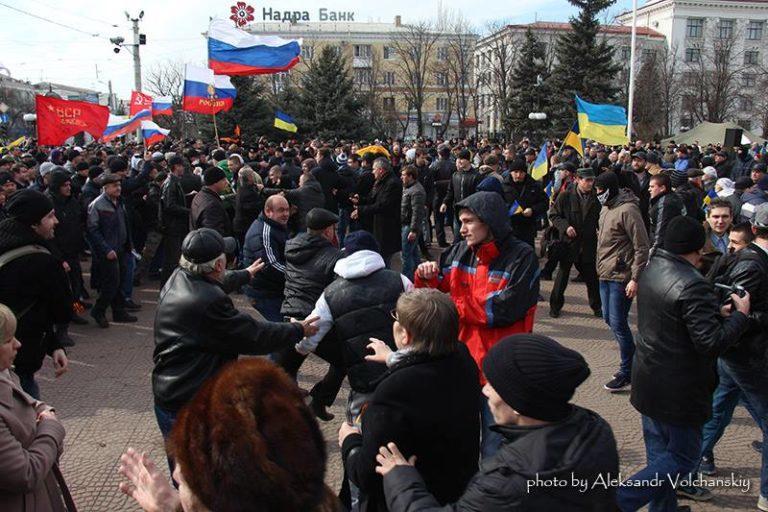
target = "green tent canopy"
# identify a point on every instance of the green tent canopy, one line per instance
(712, 133)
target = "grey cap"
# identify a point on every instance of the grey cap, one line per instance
(760, 220)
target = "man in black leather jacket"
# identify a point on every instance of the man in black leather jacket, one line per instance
(682, 333)
(173, 215)
(198, 329)
(742, 369)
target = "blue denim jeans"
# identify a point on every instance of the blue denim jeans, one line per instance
(616, 314)
(490, 441)
(269, 307)
(165, 420)
(126, 280)
(410, 254)
(29, 384)
(671, 452)
(341, 228)
(736, 382)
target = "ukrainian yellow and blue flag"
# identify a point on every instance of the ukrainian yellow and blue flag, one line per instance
(515, 209)
(540, 165)
(606, 124)
(285, 122)
(573, 139)
(711, 194)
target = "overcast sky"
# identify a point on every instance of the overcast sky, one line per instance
(34, 49)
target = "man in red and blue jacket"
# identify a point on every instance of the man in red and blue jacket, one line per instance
(494, 280)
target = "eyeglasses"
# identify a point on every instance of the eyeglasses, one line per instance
(393, 314)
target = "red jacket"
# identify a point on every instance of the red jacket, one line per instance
(495, 288)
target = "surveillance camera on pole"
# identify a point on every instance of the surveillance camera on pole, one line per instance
(537, 116)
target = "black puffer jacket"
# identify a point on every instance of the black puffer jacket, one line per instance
(692, 198)
(580, 447)
(681, 336)
(198, 330)
(36, 288)
(248, 205)
(750, 270)
(309, 262)
(173, 212)
(663, 208)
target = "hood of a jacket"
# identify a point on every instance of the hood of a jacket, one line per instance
(14, 234)
(359, 264)
(491, 209)
(529, 450)
(303, 247)
(625, 196)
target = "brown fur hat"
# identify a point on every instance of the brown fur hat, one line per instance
(247, 441)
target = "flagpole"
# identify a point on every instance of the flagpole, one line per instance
(216, 130)
(631, 99)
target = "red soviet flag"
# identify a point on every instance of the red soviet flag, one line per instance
(58, 120)
(139, 102)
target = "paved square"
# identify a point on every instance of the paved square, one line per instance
(105, 402)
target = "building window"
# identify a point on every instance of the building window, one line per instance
(748, 80)
(721, 57)
(307, 52)
(388, 78)
(746, 104)
(725, 29)
(336, 50)
(755, 30)
(441, 78)
(362, 50)
(649, 53)
(363, 76)
(388, 103)
(441, 104)
(442, 53)
(692, 54)
(745, 123)
(694, 27)
(626, 52)
(388, 52)
(751, 57)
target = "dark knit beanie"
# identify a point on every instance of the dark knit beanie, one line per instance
(679, 177)
(360, 241)
(213, 175)
(535, 375)
(608, 180)
(28, 206)
(684, 235)
(518, 165)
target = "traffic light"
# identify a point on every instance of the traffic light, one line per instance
(142, 38)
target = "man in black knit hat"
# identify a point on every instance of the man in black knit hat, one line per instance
(682, 333)
(531, 379)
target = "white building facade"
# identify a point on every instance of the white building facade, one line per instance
(724, 42)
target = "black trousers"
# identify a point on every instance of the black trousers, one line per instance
(171, 253)
(75, 275)
(325, 391)
(111, 273)
(588, 272)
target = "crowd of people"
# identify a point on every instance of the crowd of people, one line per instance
(454, 403)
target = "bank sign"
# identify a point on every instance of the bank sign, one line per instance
(323, 14)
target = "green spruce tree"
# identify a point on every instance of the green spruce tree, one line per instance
(530, 90)
(327, 105)
(585, 64)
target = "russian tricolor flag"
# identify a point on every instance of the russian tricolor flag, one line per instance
(206, 93)
(232, 51)
(151, 133)
(120, 125)
(162, 106)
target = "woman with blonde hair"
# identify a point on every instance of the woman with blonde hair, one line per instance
(31, 438)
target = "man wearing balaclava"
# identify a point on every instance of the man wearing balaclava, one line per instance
(622, 252)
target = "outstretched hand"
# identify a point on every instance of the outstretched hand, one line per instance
(146, 484)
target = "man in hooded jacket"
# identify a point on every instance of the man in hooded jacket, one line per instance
(622, 252)
(494, 280)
